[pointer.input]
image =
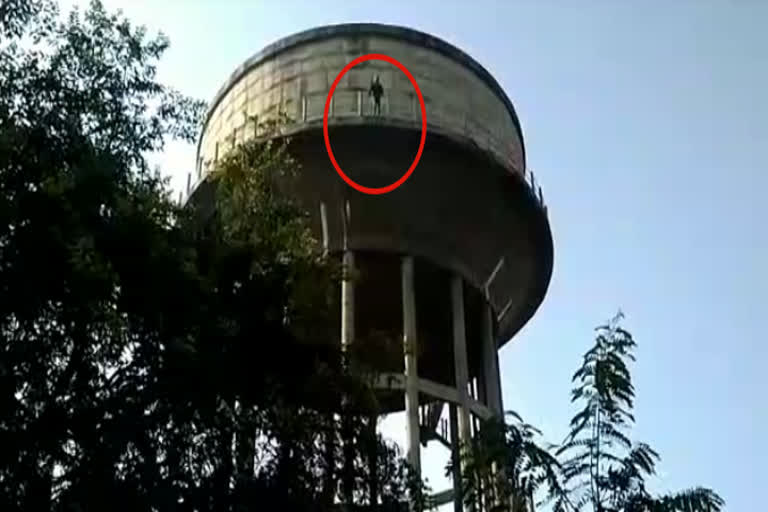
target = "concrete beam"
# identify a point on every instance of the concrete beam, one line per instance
(504, 311)
(397, 381)
(437, 390)
(490, 279)
(480, 410)
(443, 497)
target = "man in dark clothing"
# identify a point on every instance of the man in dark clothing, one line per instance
(377, 91)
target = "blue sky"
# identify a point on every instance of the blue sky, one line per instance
(645, 123)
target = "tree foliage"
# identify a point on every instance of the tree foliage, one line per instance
(604, 468)
(507, 465)
(16, 15)
(87, 253)
(149, 360)
(598, 465)
(295, 373)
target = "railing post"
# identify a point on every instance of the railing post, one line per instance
(360, 103)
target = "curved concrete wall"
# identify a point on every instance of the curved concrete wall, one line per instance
(294, 76)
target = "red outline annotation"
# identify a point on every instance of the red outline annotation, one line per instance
(350, 182)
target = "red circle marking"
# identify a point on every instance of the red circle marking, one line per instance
(350, 182)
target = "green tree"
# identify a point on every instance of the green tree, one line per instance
(600, 468)
(286, 361)
(138, 345)
(87, 260)
(15, 15)
(506, 465)
(604, 469)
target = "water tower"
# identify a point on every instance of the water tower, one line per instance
(452, 263)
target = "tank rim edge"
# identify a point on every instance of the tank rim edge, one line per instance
(394, 31)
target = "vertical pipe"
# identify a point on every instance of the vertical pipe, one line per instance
(411, 370)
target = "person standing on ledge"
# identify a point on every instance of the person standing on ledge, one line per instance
(377, 91)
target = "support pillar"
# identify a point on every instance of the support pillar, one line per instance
(492, 387)
(347, 285)
(460, 355)
(373, 468)
(347, 338)
(411, 371)
(329, 454)
(458, 497)
(490, 363)
(347, 300)
(460, 364)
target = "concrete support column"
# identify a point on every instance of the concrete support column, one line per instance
(347, 337)
(460, 363)
(347, 300)
(411, 371)
(460, 355)
(347, 285)
(329, 454)
(490, 363)
(373, 477)
(492, 386)
(458, 497)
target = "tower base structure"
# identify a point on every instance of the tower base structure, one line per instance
(426, 365)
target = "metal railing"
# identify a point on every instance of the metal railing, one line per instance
(529, 179)
(535, 188)
(364, 109)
